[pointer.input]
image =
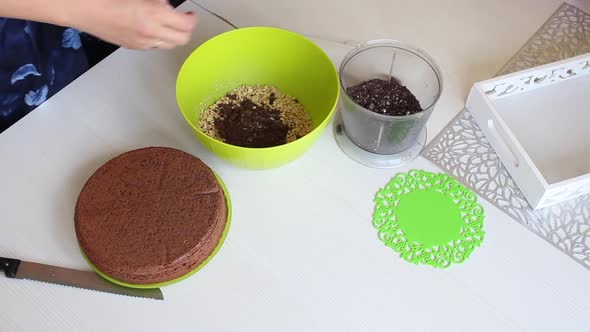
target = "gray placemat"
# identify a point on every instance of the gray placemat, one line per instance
(462, 150)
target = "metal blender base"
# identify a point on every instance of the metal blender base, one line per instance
(374, 160)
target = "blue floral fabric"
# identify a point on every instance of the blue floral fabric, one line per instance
(36, 61)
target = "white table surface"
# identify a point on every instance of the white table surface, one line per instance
(301, 253)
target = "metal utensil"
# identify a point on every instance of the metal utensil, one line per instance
(17, 269)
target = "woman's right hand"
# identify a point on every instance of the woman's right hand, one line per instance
(134, 24)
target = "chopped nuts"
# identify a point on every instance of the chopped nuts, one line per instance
(292, 113)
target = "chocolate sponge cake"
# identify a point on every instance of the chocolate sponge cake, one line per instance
(150, 215)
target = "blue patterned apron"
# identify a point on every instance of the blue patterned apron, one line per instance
(36, 61)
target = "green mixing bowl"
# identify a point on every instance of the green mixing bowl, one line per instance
(260, 55)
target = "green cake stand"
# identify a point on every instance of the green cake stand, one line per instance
(170, 282)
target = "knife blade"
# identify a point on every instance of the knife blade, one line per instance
(17, 269)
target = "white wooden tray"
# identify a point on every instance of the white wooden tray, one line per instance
(536, 120)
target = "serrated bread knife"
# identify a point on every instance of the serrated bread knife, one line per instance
(17, 269)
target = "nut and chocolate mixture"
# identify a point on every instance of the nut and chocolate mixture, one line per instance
(256, 116)
(385, 97)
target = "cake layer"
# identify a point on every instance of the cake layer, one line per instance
(150, 215)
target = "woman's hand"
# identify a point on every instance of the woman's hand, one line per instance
(134, 24)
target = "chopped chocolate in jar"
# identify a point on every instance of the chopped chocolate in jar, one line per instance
(385, 97)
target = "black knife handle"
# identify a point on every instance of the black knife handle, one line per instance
(10, 266)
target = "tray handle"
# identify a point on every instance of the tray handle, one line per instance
(504, 142)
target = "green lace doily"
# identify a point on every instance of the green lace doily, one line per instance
(429, 218)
